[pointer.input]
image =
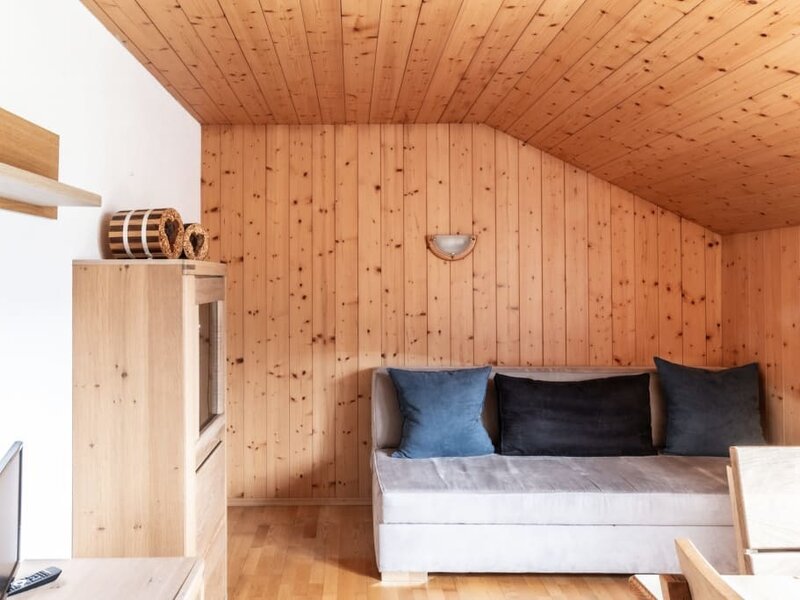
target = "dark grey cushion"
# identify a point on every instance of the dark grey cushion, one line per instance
(596, 417)
(709, 411)
(442, 412)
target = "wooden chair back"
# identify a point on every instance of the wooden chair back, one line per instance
(764, 485)
(704, 581)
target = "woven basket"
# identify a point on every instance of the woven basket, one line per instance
(195, 241)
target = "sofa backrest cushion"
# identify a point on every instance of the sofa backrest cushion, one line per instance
(442, 412)
(607, 416)
(387, 421)
(710, 411)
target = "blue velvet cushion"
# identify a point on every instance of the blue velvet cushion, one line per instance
(709, 411)
(442, 412)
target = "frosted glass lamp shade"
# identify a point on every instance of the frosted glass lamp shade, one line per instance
(451, 247)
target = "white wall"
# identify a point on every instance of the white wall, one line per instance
(122, 136)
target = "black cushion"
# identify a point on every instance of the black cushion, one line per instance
(596, 417)
(709, 411)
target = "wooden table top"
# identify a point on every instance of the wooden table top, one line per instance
(749, 587)
(118, 578)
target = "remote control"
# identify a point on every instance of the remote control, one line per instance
(33, 581)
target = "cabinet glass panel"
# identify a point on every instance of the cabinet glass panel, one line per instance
(209, 362)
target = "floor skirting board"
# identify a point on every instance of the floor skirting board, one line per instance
(237, 502)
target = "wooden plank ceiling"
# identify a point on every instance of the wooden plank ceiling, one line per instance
(691, 104)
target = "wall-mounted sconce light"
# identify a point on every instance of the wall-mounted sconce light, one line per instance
(451, 247)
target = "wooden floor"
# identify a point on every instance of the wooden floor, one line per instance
(305, 552)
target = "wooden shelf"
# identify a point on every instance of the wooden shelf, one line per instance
(24, 191)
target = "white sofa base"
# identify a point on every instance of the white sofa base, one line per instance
(546, 548)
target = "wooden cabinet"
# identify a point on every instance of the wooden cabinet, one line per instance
(148, 421)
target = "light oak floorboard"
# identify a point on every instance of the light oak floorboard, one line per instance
(326, 552)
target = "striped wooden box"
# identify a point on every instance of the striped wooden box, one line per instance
(146, 233)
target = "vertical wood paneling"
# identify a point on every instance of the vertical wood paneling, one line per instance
(755, 310)
(554, 301)
(346, 268)
(670, 320)
(754, 342)
(790, 333)
(330, 277)
(210, 187)
(414, 247)
(761, 320)
(369, 287)
(300, 310)
(231, 251)
(483, 257)
(693, 293)
(507, 248)
(772, 365)
(438, 185)
(278, 419)
(734, 290)
(713, 256)
(392, 231)
(599, 237)
(323, 300)
(623, 291)
(254, 424)
(461, 306)
(577, 264)
(646, 282)
(530, 255)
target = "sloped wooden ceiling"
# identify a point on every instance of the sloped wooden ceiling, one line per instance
(692, 104)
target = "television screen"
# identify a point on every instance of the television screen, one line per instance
(10, 489)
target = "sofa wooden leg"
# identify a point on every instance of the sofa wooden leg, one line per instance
(404, 577)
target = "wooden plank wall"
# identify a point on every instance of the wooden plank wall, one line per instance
(323, 228)
(761, 316)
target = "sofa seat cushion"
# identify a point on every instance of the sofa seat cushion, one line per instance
(547, 490)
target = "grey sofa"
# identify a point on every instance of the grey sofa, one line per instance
(542, 514)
